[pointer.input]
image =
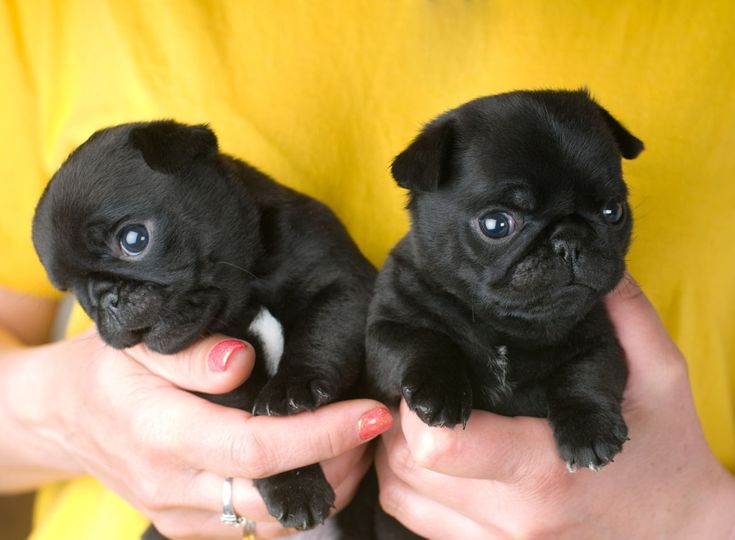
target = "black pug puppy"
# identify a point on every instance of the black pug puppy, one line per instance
(493, 300)
(164, 239)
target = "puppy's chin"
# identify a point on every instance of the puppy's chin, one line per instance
(540, 316)
(544, 305)
(119, 339)
(126, 324)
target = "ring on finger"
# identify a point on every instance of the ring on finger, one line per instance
(230, 518)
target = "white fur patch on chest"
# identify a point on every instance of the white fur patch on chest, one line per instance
(270, 333)
(501, 366)
(497, 364)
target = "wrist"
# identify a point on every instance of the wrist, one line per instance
(707, 512)
(33, 450)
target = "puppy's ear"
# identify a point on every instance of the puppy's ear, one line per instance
(628, 144)
(424, 165)
(169, 147)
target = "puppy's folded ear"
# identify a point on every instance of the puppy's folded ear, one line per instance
(424, 165)
(169, 147)
(628, 144)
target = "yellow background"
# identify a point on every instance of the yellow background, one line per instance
(322, 95)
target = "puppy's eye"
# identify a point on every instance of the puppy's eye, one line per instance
(134, 239)
(497, 224)
(613, 212)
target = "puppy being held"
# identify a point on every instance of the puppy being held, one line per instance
(493, 300)
(163, 239)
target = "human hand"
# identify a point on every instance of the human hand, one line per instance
(123, 417)
(503, 478)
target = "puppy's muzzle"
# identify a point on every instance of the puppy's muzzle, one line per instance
(122, 305)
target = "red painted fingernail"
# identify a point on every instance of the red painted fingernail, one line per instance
(222, 352)
(374, 422)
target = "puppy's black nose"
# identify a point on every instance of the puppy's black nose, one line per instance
(566, 249)
(103, 293)
(110, 300)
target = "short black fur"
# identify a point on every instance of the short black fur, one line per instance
(513, 324)
(225, 241)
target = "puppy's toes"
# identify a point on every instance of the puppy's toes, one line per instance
(300, 499)
(322, 393)
(271, 401)
(590, 440)
(284, 396)
(436, 401)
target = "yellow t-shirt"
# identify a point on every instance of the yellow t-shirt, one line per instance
(322, 95)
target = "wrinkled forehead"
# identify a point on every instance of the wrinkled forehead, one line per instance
(533, 160)
(105, 177)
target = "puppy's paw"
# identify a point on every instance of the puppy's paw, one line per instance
(300, 499)
(439, 399)
(285, 395)
(590, 439)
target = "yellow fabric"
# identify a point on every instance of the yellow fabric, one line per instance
(322, 95)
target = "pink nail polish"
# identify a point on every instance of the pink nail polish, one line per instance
(374, 422)
(221, 353)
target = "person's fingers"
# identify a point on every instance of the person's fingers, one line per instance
(420, 513)
(637, 324)
(204, 525)
(234, 443)
(215, 365)
(204, 492)
(491, 447)
(346, 489)
(186, 524)
(343, 468)
(648, 347)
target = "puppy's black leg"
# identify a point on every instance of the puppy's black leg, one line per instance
(425, 367)
(301, 498)
(584, 399)
(323, 354)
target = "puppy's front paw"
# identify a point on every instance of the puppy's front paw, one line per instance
(439, 399)
(300, 499)
(590, 439)
(285, 395)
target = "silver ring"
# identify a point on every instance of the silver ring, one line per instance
(229, 516)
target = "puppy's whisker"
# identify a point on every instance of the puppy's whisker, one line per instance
(237, 267)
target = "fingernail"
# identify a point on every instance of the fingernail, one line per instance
(374, 422)
(221, 353)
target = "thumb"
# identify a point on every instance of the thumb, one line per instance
(648, 347)
(215, 365)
